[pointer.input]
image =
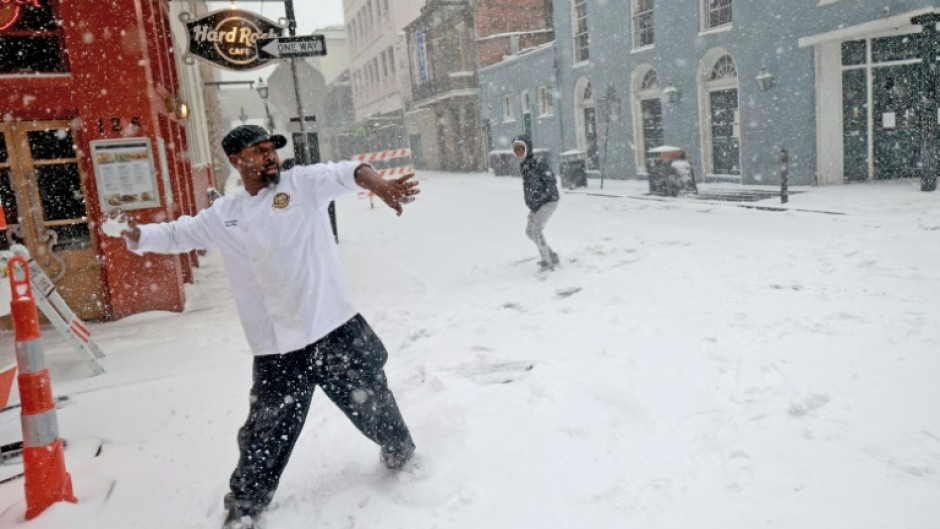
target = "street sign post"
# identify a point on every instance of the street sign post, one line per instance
(292, 47)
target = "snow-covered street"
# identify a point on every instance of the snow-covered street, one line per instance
(690, 364)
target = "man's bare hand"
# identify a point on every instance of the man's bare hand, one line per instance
(120, 224)
(397, 192)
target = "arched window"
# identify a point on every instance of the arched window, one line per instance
(724, 69)
(650, 81)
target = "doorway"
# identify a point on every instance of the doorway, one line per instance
(652, 113)
(586, 123)
(882, 125)
(855, 124)
(897, 127)
(43, 198)
(726, 147)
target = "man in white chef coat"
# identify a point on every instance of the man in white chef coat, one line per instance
(276, 241)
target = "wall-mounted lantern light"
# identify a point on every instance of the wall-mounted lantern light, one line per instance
(671, 94)
(176, 106)
(765, 80)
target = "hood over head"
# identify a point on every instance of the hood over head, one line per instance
(525, 140)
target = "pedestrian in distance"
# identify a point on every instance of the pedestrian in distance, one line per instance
(540, 190)
(275, 239)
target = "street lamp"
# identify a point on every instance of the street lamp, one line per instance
(671, 94)
(765, 79)
(263, 92)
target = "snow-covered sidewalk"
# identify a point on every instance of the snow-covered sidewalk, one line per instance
(690, 364)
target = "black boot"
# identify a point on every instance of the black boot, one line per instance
(241, 519)
(395, 459)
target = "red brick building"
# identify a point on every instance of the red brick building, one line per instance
(504, 27)
(74, 73)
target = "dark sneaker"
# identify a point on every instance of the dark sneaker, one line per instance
(396, 459)
(239, 519)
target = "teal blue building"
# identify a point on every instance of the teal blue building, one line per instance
(839, 84)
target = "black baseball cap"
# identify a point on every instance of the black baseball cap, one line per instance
(247, 135)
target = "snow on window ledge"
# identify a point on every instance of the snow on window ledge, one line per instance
(827, 2)
(643, 48)
(718, 29)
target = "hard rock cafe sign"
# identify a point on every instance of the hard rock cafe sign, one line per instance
(229, 38)
(10, 11)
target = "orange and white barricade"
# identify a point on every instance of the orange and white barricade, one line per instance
(7, 364)
(46, 479)
(391, 163)
(56, 310)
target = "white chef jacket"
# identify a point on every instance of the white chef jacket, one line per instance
(279, 251)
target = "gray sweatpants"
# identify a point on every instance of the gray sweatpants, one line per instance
(533, 230)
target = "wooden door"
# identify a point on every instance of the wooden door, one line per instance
(42, 190)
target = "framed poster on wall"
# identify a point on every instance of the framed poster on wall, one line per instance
(125, 174)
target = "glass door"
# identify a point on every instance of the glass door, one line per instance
(855, 124)
(590, 136)
(43, 197)
(726, 148)
(652, 123)
(897, 128)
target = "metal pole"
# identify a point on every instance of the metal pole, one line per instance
(784, 175)
(292, 30)
(606, 135)
(305, 144)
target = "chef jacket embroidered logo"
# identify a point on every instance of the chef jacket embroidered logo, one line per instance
(281, 200)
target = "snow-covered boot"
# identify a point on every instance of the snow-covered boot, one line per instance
(395, 459)
(555, 259)
(240, 519)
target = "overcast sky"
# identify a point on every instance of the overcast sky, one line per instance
(311, 14)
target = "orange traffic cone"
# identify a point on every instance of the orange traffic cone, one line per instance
(46, 479)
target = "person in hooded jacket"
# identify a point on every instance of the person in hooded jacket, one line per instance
(540, 191)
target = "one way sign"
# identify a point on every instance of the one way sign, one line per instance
(292, 47)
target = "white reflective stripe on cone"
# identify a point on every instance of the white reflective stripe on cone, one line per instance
(40, 429)
(30, 357)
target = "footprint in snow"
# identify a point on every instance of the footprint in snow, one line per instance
(738, 466)
(809, 405)
(567, 292)
(496, 373)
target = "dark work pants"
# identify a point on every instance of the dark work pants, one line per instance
(348, 365)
